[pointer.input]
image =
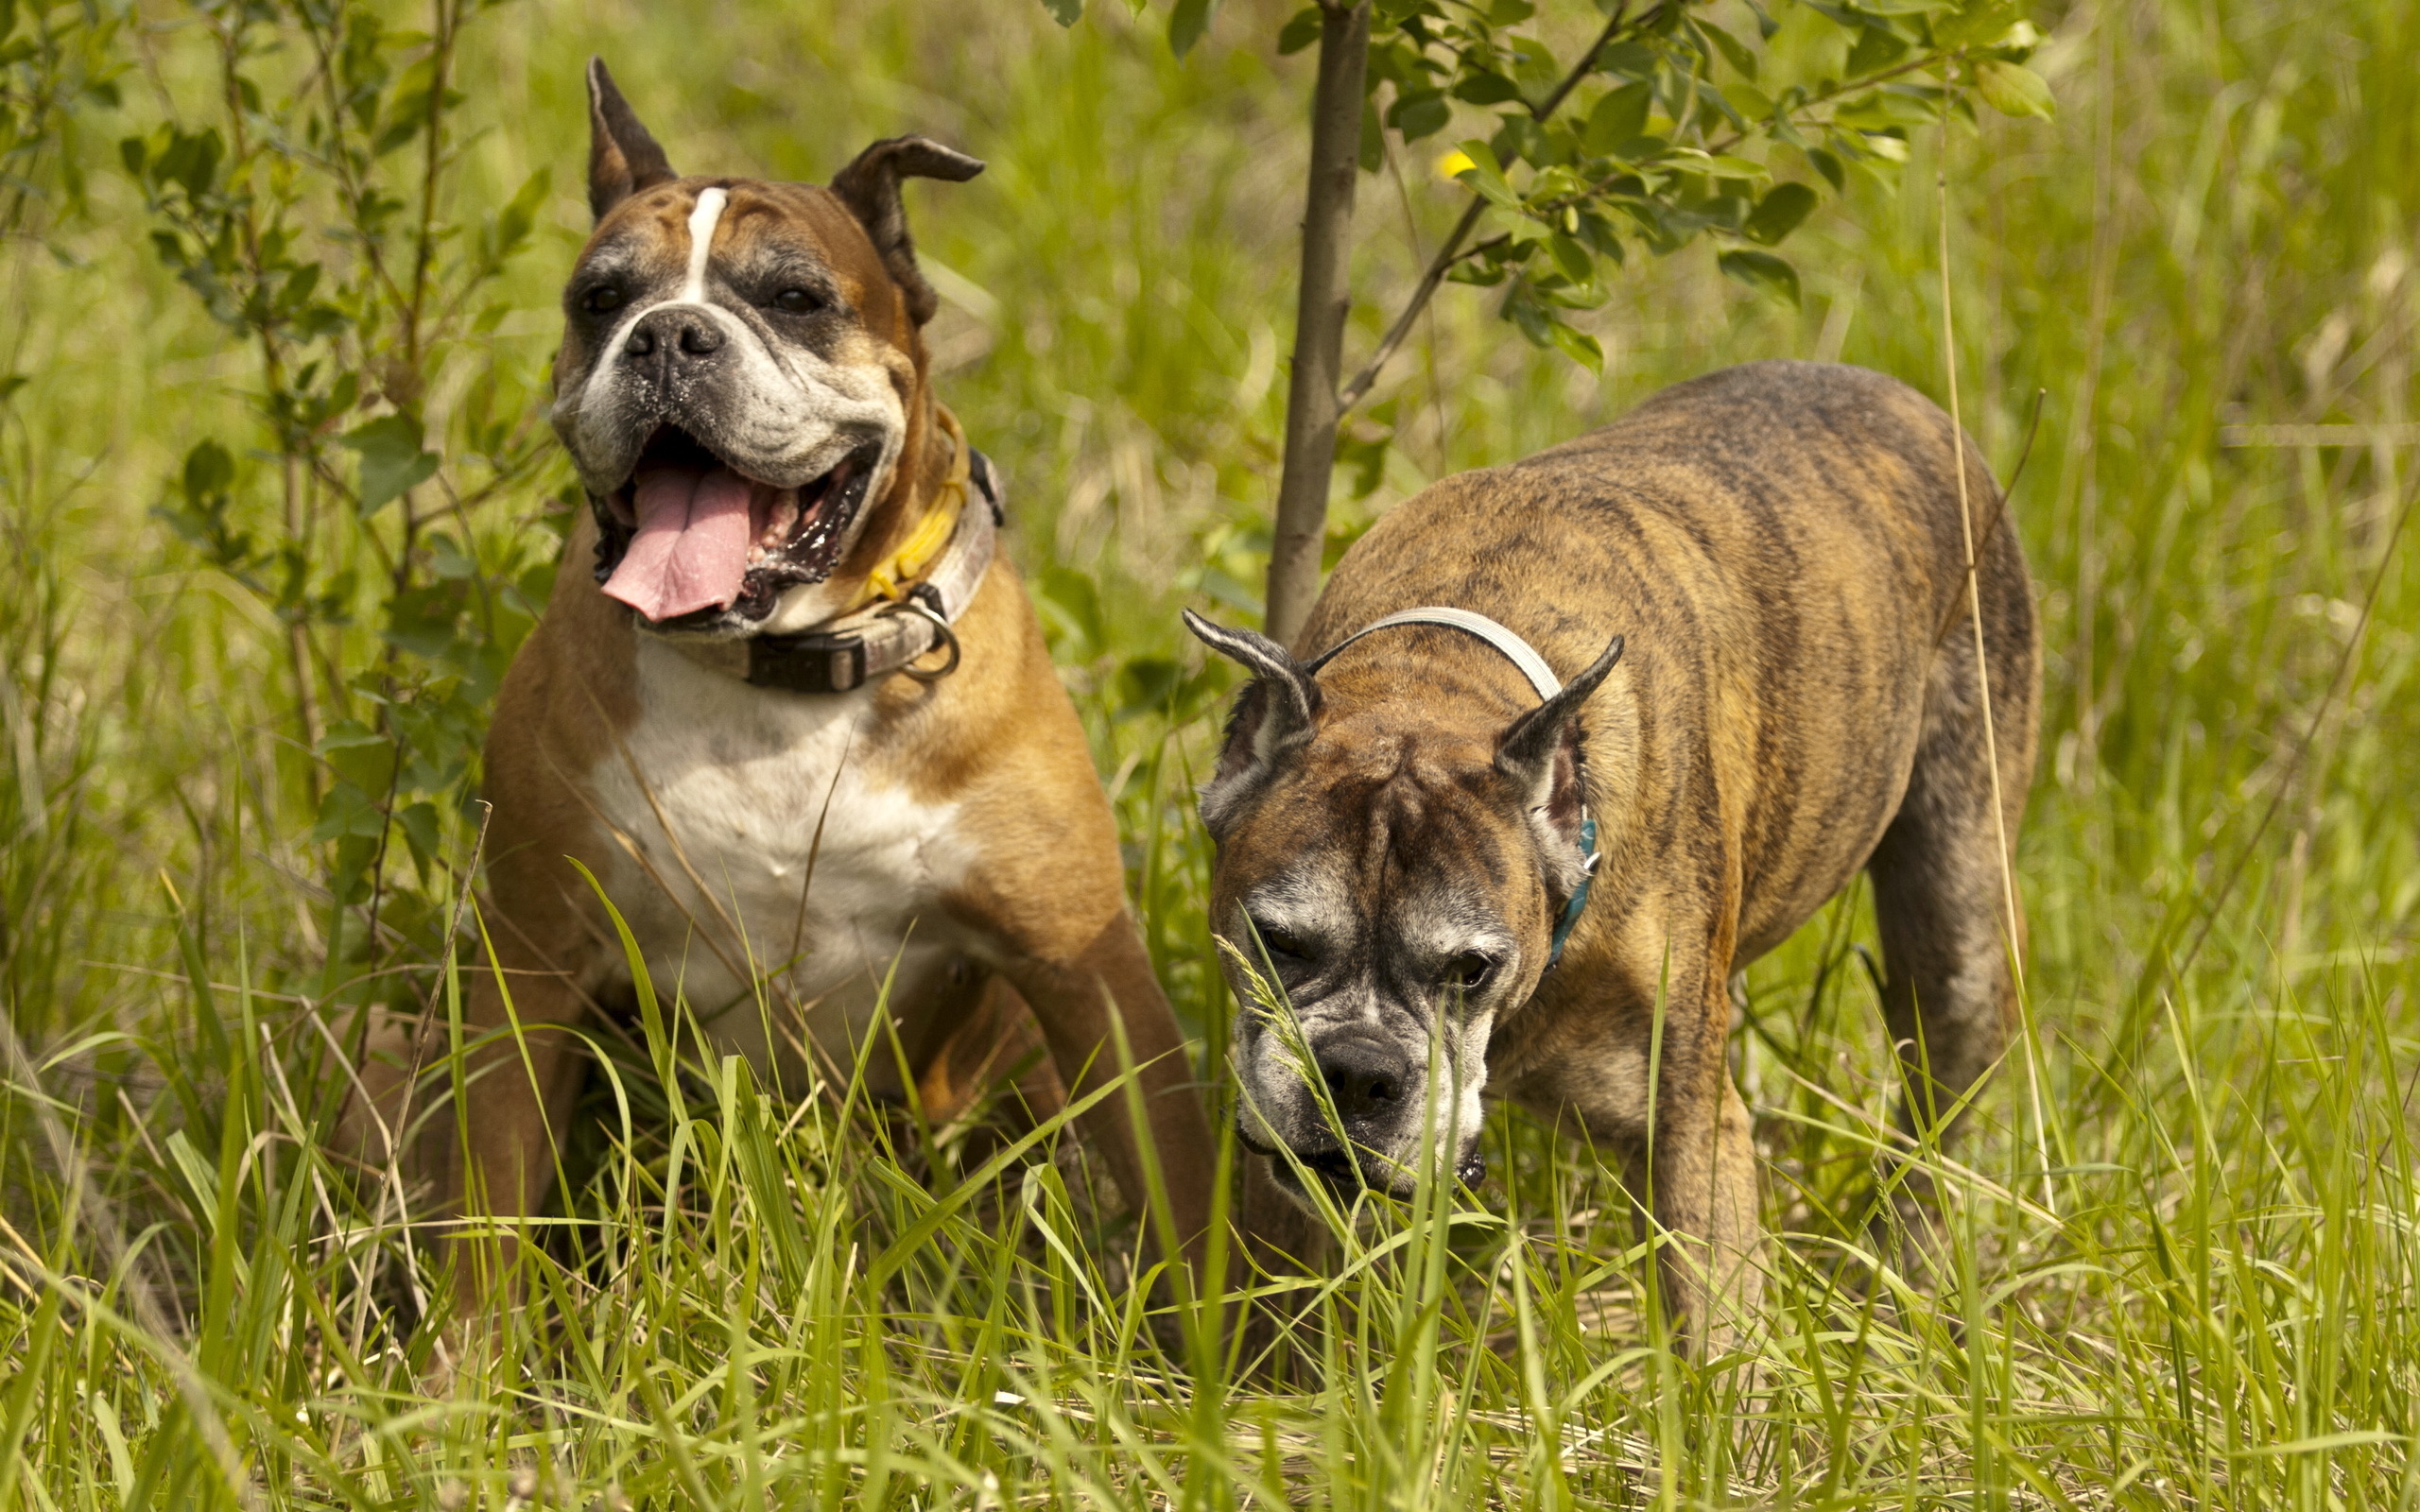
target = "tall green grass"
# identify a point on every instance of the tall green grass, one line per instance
(2204, 1296)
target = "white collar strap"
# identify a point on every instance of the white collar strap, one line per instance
(1517, 650)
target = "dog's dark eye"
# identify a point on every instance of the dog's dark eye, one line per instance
(602, 298)
(1279, 941)
(1468, 971)
(796, 301)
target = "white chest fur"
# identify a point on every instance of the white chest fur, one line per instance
(767, 851)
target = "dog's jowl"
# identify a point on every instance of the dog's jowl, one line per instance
(797, 720)
(1616, 720)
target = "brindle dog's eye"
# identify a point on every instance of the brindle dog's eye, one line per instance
(1468, 971)
(602, 298)
(1279, 941)
(796, 301)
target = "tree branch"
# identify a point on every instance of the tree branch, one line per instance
(1451, 251)
(1311, 408)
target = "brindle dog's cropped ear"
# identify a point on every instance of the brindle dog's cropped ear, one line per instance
(622, 158)
(1273, 717)
(870, 187)
(1540, 753)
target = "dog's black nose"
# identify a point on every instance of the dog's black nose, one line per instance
(681, 332)
(1366, 1077)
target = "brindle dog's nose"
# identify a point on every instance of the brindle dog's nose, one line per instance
(1366, 1077)
(681, 333)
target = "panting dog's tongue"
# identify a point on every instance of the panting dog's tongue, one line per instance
(691, 549)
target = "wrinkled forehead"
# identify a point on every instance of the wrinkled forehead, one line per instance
(761, 228)
(1411, 840)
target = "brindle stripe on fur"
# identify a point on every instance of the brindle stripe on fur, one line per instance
(1778, 544)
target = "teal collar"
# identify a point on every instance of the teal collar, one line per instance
(1534, 666)
(1579, 895)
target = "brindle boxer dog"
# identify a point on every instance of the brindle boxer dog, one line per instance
(1756, 585)
(799, 721)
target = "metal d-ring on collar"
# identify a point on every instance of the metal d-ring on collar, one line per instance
(1534, 666)
(942, 634)
(889, 637)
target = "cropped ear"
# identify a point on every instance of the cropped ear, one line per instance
(1539, 753)
(1273, 717)
(622, 158)
(870, 187)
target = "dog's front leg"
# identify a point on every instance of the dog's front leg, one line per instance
(1702, 1182)
(1076, 987)
(491, 1121)
(1700, 1156)
(1638, 1053)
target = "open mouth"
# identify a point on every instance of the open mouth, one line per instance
(689, 538)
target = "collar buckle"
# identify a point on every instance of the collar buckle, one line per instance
(817, 661)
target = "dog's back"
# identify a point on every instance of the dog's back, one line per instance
(1784, 544)
(1783, 549)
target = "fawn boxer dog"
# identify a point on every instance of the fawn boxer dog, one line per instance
(1565, 743)
(799, 721)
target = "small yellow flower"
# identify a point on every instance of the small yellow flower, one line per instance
(1454, 164)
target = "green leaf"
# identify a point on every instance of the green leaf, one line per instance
(2013, 89)
(1979, 25)
(1534, 66)
(391, 459)
(1190, 19)
(1420, 114)
(1486, 177)
(1734, 51)
(1751, 102)
(1723, 166)
(1877, 47)
(1762, 270)
(348, 810)
(1571, 259)
(1829, 166)
(1065, 12)
(1481, 87)
(1580, 347)
(190, 161)
(1510, 12)
(1628, 59)
(208, 471)
(520, 216)
(1618, 118)
(1778, 213)
(1300, 31)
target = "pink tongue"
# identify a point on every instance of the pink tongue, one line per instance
(691, 549)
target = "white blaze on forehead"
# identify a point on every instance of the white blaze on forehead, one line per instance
(701, 243)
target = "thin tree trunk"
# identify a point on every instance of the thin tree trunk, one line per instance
(1311, 407)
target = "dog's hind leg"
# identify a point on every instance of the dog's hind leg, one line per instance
(1943, 892)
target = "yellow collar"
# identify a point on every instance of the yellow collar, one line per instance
(891, 579)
